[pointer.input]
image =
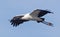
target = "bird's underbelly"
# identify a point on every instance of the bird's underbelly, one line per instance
(27, 17)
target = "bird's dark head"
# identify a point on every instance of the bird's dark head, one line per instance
(15, 21)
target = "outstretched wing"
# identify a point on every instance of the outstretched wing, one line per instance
(15, 21)
(39, 12)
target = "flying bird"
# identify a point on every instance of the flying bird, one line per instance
(36, 15)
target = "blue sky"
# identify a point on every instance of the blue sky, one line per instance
(10, 8)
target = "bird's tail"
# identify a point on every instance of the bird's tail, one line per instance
(47, 23)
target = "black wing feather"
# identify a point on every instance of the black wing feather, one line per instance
(16, 21)
(39, 12)
(43, 12)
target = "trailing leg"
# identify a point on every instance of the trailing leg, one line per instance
(47, 23)
(42, 20)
